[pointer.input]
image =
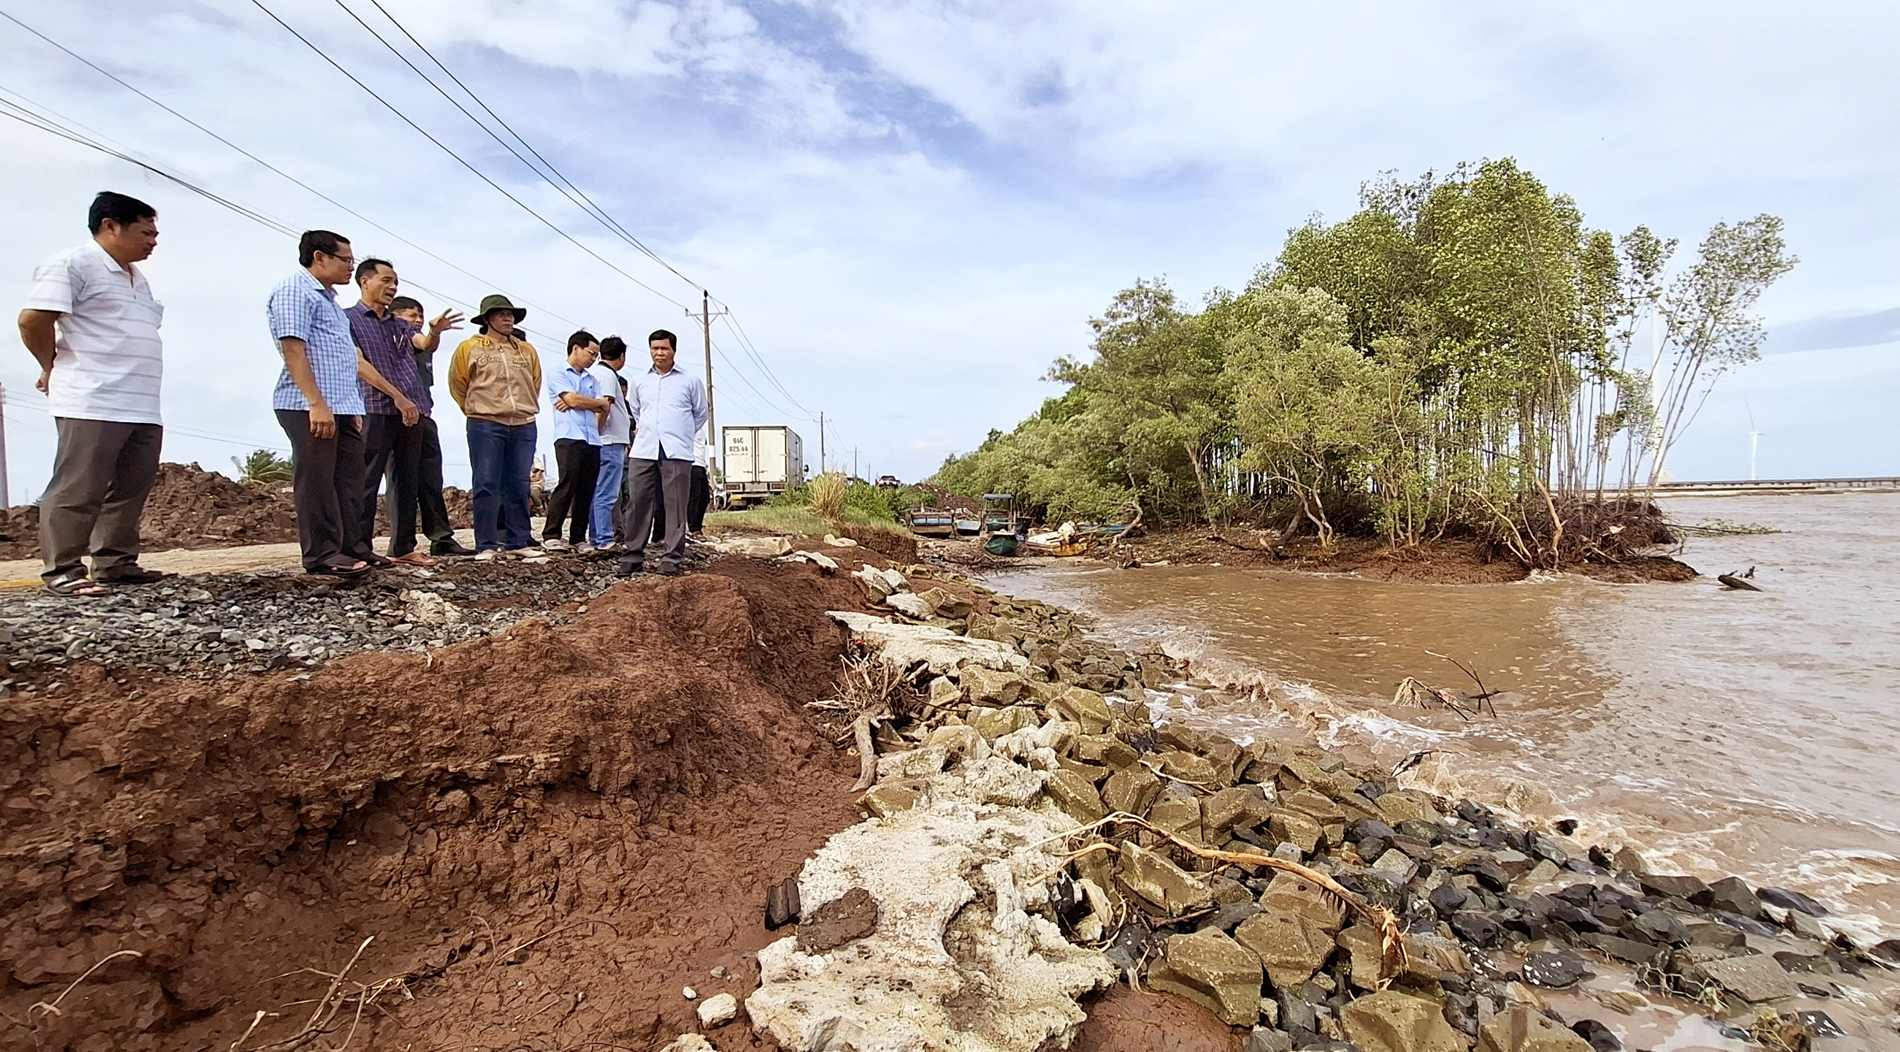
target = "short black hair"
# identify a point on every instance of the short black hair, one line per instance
(368, 267)
(119, 208)
(662, 334)
(613, 347)
(315, 241)
(581, 338)
(405, 303)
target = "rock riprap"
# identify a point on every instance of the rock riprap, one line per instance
(1034, 831)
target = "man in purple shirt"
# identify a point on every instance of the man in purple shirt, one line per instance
(395, 400)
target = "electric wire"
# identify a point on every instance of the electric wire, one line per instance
(320, 195)
(32, 119)
(477, 172)
(745, 341)
(547, 168)
(17, 112)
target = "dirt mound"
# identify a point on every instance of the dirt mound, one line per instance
(943, 498)
(194, 508)
(547, 833)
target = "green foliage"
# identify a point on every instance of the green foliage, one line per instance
(1455, 356)
(860, 502)
(263, 466)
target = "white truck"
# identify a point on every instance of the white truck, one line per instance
(761, 461)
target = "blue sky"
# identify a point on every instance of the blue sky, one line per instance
(913, 208)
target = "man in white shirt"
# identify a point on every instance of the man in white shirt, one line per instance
(667, 407)
(92, 324)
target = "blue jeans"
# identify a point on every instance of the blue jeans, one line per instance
(613, 465)
(500, 456)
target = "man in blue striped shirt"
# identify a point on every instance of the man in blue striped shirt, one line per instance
(319, 405)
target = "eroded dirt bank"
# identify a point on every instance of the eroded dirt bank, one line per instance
(544, 834)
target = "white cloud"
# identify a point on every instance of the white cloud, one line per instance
(915, 207)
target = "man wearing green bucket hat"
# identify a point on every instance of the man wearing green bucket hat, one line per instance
(495, 376)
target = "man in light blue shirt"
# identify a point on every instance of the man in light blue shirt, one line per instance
(319, 405)
(616, 433)
(668, 408)
(575, 394)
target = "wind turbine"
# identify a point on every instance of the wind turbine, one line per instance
(1754, 442)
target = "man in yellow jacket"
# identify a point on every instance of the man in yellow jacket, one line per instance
(496, 378)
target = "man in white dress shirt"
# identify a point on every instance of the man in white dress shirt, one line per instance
(667, 407)
(92, 324)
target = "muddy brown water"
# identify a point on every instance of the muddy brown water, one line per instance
(1721, 732)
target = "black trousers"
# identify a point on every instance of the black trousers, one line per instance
(327, 483)
(428, 489)
(700, 500)
(388, 445)
(654, 486)
(102, 474)
(698, 497)
(573, 498)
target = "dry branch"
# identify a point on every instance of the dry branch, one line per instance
(1392, 958)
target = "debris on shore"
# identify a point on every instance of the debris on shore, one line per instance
(1025, 791)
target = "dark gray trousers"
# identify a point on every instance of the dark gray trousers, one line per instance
(327, 483)
(651, 486)
(428, 486)
(102, 474)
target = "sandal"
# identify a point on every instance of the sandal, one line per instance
(136, 574)
(355, 568)
(75, 583)
(412, 559)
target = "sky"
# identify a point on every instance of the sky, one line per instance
(912, 209)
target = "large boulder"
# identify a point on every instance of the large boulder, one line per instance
(1521, 1028)
(1166, 887)
(1243, 807)
(902, 647)
(1216, 971)
(1394, 1022)
(983, 686)
(1291, 945)
(1131, 790)
(1084, 707)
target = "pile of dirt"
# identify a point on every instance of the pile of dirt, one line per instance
(193, 508)
(531, 840)
(1447, 561)
(948, 501)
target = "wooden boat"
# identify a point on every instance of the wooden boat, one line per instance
(1001, 544)
(929, 522)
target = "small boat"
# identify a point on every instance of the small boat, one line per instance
(1001, 544)
(969, 527)
(930, 522)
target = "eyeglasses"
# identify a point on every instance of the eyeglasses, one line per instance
(351, 260)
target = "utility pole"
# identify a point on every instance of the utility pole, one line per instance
(706, 315)
(821, 443)
(3, 448)
(854, 462)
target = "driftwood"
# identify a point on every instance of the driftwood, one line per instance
(1739, 582)
(1391, 944)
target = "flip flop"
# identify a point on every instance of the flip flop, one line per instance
(357, 569)
(75, 584)
(138, 575)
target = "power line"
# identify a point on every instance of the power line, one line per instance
(555, 176)
(478, 173)
(320, 195)
(24, 115)
(745, 341)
